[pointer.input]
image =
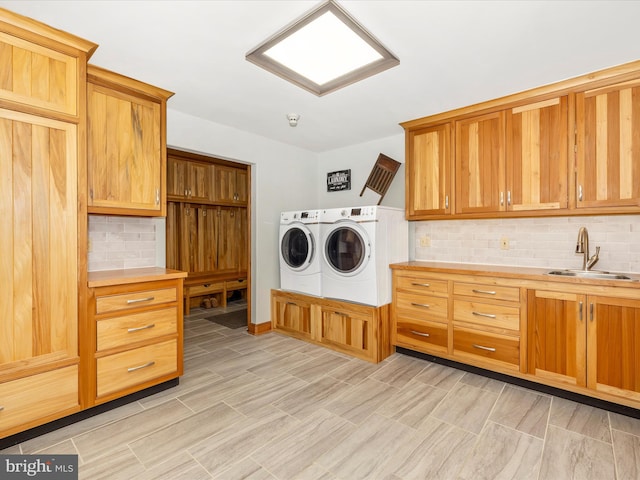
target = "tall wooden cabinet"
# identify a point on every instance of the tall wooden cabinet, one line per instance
(126, 140)
(208, 225)
(42, 220)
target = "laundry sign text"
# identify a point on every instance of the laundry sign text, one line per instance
(339, 180)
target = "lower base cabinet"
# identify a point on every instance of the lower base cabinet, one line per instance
(137, 330)
(358, 330)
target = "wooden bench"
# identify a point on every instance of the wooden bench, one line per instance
(218, 285)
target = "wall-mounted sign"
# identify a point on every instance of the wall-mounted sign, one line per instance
(339, 180)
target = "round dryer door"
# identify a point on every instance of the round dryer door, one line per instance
(346, 249)
(297, 248)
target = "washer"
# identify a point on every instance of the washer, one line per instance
(299, 255)
(359, 243)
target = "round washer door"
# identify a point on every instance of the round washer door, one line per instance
(347, 249)
(297, 247)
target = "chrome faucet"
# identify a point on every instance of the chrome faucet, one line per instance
(582, 247)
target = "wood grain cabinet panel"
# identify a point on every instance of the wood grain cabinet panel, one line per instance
(537, 147)
(480, 171)
(189, 181)
(39, 240)
(126, 145)
(608, 156)
(230, 185)
(428, 173)
(138, 327)
(291, 315)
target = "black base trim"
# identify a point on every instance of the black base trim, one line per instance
(558, 392)
(84, 414)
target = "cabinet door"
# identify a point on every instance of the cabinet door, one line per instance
(230, 184)
(292, 316)
(608, 150)
(207, 244)
(429, 171)
(228, 240)
(125, 156)
(557, 336)
(537, 139)
(614, 346)
(480, 174)
(38, 240)
(191, 181)
(35, 75)
(347, 331)
(188, 237)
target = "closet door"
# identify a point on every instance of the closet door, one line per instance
(39, 241)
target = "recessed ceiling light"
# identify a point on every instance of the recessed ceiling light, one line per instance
(323, 51)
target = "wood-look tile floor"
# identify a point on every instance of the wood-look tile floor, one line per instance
(272, 407)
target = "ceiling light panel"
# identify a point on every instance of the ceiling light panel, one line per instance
(323, 51)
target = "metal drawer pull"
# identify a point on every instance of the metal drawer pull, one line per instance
(139, 367)
(415, 284)
(482, 347)
(488, 315)
(1, 408)
(486, 292)
(580, 311)
(420, 333)
(424, 305)
(137, 329)
(138, 300)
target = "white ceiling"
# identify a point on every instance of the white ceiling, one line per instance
(452, 53)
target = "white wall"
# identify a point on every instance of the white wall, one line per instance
(360, 159)
(282, 179)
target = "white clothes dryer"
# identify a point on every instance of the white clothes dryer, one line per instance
(299, 253)
(358, 244)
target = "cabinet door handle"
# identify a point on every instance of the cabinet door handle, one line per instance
(420, 333)
(137, 329)
(140, 367)
(416, 284)
(291, 303)
(580, 193)
(446, 201)
(1, 408)
(157, 196)
(482, 347)
(423, 305)
(580, 310)
(501, 199)
(480, 314)
(485, 292)
(509, 198)
(138, 300)
(186, 192)
(591, 312)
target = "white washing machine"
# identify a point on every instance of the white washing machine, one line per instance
(358, 244)
(299, 252)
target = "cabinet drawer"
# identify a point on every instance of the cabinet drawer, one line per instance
(235, 284)
(509, 294)
(419, 284)
(126, 369)
(421, 307)
(502, 348)
(119, 331)
(112, 303)
(422, 335)
(38, 396)
(487, 314)
(195, 290)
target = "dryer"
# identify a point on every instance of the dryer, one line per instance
(358, 244)
(299, 254)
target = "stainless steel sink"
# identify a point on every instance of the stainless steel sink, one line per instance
(590, 274)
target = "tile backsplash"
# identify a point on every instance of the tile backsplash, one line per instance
(548, 242)
(121, 242)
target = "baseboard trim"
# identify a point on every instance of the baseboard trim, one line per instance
(259, 328)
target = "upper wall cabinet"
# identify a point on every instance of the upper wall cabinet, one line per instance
(126, 145)
(230, 185)
(188, 180)
(608, 153)
(429, 190)
(537, 149)
(480, 164)
(562, 149)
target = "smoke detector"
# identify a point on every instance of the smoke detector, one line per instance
(293, 119)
